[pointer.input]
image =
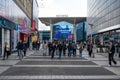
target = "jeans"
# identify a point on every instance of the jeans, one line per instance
(111, 59)
(20, 54)
(69, 53)
(52, 54)
(60, 53)
(80, 53)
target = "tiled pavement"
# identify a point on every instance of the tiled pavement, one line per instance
(38, 67)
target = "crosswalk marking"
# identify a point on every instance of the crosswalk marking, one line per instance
(56, 66)
(60, 77)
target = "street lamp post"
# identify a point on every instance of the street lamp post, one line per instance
(91, 25)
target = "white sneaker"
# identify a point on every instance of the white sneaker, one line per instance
(109, 65)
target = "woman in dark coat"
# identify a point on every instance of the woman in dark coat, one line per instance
(6, 51)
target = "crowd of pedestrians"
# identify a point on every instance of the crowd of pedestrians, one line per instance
(61, 49)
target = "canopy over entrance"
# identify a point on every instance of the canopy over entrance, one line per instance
(53, 20)
(50, 21)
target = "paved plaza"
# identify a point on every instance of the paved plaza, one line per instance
(35, 66)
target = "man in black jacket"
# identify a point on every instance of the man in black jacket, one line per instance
(60, 49)
(19, 49)
(111, 53)
(49, 48)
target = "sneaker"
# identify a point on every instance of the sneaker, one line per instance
(109, 65)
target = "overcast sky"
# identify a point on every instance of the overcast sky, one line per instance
(70, 8)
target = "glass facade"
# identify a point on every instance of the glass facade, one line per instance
(12, 18)
(105, 17)
(81, 31)
(44, 36)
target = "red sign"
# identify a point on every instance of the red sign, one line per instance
(33, 25)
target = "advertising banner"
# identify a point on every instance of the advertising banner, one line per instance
(33, 25)
(61, 31)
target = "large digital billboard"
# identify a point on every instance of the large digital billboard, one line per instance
(62, 31)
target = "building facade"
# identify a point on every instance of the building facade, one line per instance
(26, 6)
(15, 23)
(104, 15)
(34, 21)
(31, 9)
(44, 36)
(81, 31)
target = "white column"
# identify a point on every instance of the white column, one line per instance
(51, 31)
(16, 34)
(74, 25)
(7, 36)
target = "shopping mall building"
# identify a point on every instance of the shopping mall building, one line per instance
(17, 20)
(104, 20)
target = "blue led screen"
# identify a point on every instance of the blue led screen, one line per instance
(63, 30)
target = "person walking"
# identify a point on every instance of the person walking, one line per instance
(20, 49)
(49, 48)
(53, 47)
(34, 45)
(44, 47)
(74, 47)
(80, 48)
(38, 45)
(64, 48)
(94, 50)
(89, 48)
(111, 51)
(60, 49)
(69, 49)
(6, 51)
(25, 46)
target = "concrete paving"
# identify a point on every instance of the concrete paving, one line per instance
(37, 67)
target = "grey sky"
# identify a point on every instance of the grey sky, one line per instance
(71, 8)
